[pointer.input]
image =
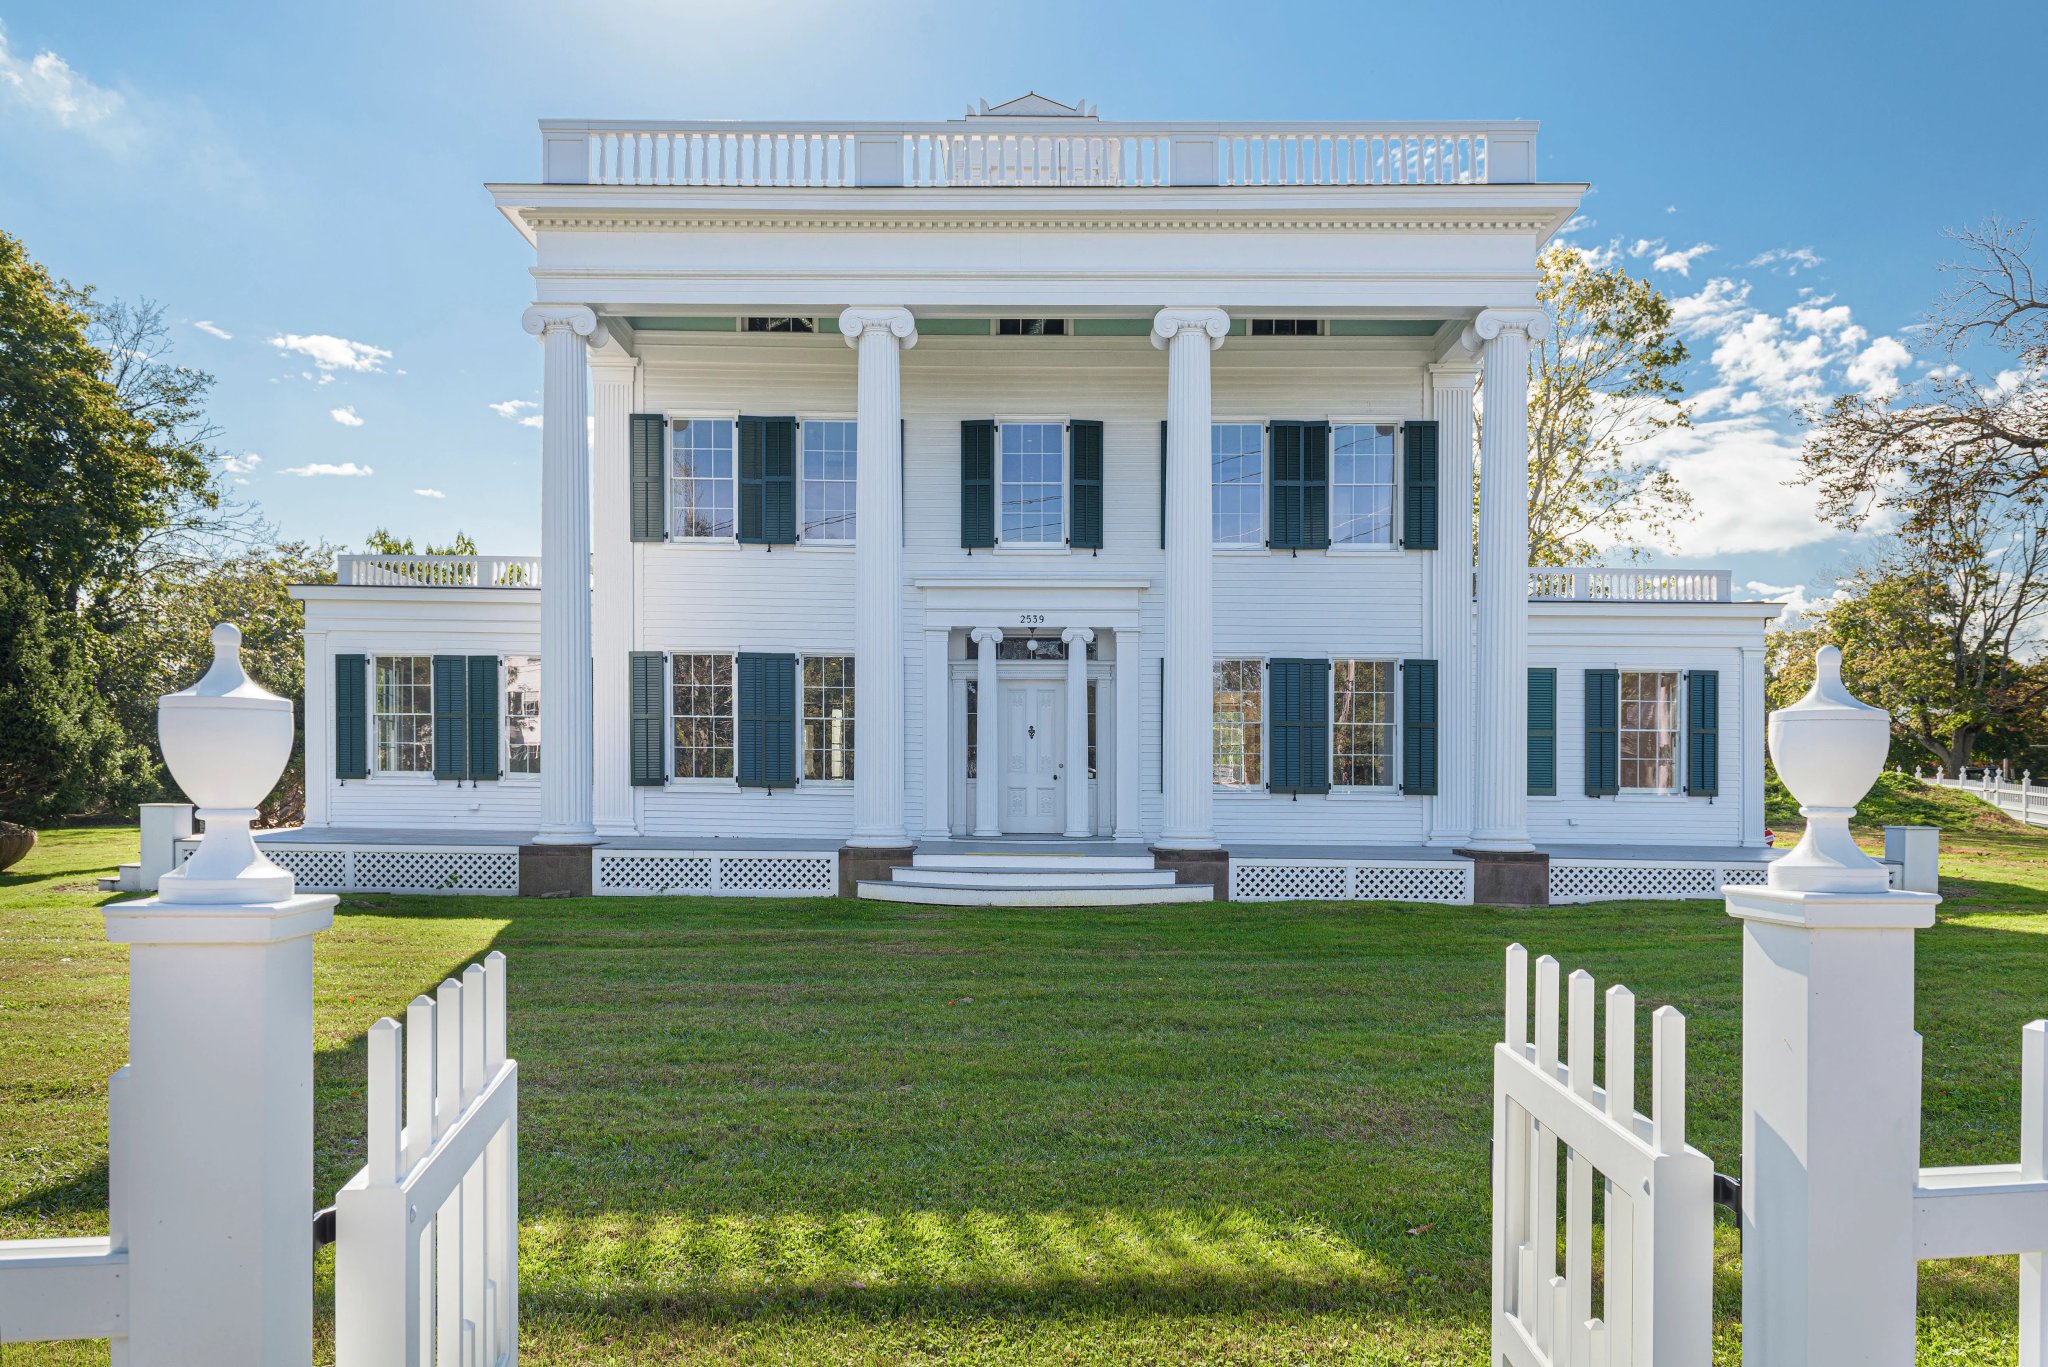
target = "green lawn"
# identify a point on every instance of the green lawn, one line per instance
(759, 1131)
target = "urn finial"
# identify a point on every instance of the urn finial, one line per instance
(1829, 748)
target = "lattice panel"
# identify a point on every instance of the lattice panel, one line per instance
(314, 869)
(1451, 883)
(778, 875)
(415, 870)
(1611, 882)
(1746, 875)
(652, 874)
(1289, 882)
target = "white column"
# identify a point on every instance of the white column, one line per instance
(1077, 639)
(1128, 823)
(319, 714)
(613, 381)
(988, 778)
(1501, 812)
(1450, 403)
(1749, 697)
(565, 712)
(1188, 335)
(938, 734)
(879, 336)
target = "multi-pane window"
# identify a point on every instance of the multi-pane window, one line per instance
(828, 717)
(1091, 728)
(828, 460)
(1239, 713)
(1286, 327)
(1362, 484)
(1649, 731)
(1362, 723)
(405, 714)
(522, 714)
(703, 716)
(780, 324)
(1031, 327)
(701, 455)
(973, 727)
(1032, 464)
(1237, 474)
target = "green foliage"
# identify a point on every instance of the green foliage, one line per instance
(381, 542)
(59, 748)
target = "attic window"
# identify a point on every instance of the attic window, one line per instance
(1287, 327)
(780, 325)
(1031, 327)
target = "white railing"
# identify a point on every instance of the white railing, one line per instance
(2021, 801)
(426, 1270)
(1033, 152)
(1656, 1292)
(1606, 584)
(440, 571)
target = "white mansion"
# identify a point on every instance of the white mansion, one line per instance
(1028, 507)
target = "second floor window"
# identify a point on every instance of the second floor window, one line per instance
(703, 716)
(828, 717)
(1648, 735)
(705, 500)
(405, 714)
(828, 480)
(1240, 743)
(522, 714)
(1031, 459)
(1362, 484)
(1237, 464)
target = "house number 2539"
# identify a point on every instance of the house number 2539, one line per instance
(1030, 619)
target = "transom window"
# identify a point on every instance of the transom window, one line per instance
(1032, 469)
(828, 717)
(829, 450)
(522, 714)
(1649, 731)
(1015, 647)
(1362, 723)
(1238, 725)
(405, 714)
(703, 716)
(779, 324)
(1286, 327)
(1237, 473)
(702, 464)
(1031, 327)
(1362, 484)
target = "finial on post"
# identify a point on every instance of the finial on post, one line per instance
(1829, 748)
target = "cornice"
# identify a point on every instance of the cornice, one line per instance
(556, 221)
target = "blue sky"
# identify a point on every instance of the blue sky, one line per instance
(300, 186)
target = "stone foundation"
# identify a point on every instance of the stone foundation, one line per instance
(554, 871)
(1198, 866)
(1509, 878)
(869, 864)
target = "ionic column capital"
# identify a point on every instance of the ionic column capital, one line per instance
(897, 322)
(1531, 323)
(1170, 323)
(1078, 636)
(542, 319)
(986, 636)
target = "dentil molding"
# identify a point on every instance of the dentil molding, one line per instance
(1170, 323)
(897, 322)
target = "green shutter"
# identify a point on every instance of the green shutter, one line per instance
(451, 716)
(1283, 454)
(1084, 466)
(1603, 721)
(1315, 486)
(767, 478)
(1703, 732)
(1162, 484)
(1298, 728)
(767, 733)
(977, 483)
(1418, 727)
(483, 716)
(1162, 715)
(351, 718)
(649, 690)
(1419, 514)
(1542, 733)
(648, 504)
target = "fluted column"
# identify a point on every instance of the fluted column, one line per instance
(879, 336)
(1501, 819)
(1077, 639)
(613, 375)
(988, 778)
(1188, 335)
(565, 712)
(1128, 825)
(1450, 398)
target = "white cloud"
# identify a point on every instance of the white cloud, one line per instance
(1671, 208)
(1643, 246)
(48, 87)
(346, 470)
(1718, 305)
(1681, 260)
(1799, 604)
(1737, 470)
(515, 409)
(1787, 260)
(1876, 368)
(214, 330)
(333, 353)
(345, 416)
(242, 464)
(430, 493)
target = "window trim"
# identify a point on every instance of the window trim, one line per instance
(1393, 544)
(673, 417)
(1678, 728)
(1234, 790)
(376, 770)
(822, 543)
(505, 772)
(1394, 694)
(1257, 545)
(1066, 486)
(668, 717)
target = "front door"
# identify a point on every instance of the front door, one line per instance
(1034, 752)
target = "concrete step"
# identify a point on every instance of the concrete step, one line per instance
(1012, 876)
(981, 895)
(1050, 863)
(109, 882)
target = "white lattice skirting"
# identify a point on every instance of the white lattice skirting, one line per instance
(708, 873)
(1333, 880)
(1593, 880)
(396, 868)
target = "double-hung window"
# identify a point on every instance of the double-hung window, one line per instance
(703, 716)
(404, 697)
(1362, 723)
(1239, 716)
(1031, 475)
(702, 484)
(1237, 476)
(1362, 485)
(829, 451)
(1648, 734)
(828, 717)
(522, 714)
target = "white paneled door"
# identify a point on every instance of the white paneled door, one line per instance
(1034, 750)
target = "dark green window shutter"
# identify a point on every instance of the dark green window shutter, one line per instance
(483, 716)
(647, 476)
(1298, 705)
(1603, 722)
(1419, 514)
(977, 483)
(1084, 466)
(1703, 732)
(351, 718)
(1418, 727)
(1299, 485)
(1542, 733)
(767, 467)
(1162, 484)
(767, 734)
(649, 690)
(1315, 486)
(1162, 716)
(451, 716)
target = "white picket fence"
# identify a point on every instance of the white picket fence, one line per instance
(2024, 801)
(1656, 1190)
(426, 1270)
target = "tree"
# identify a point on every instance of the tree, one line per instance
(381, 542)
(1598, 386)
(59, 748)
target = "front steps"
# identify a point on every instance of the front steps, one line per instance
(1000, 878)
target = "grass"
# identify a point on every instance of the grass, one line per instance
(770, 1132)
